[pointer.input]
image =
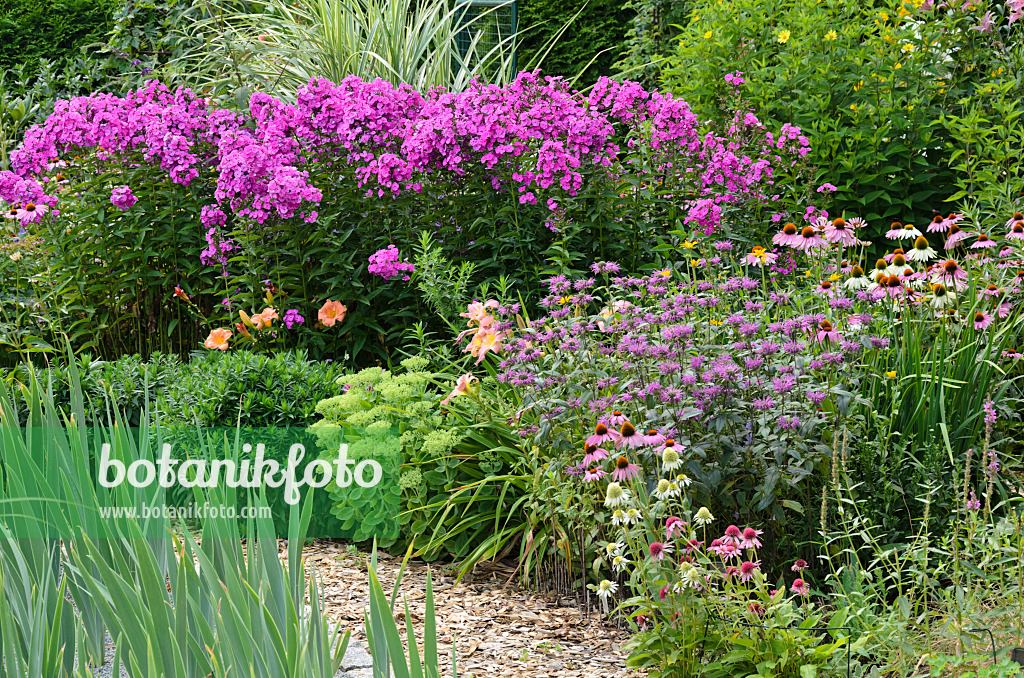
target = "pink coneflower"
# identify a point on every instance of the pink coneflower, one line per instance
(809, 239)
(897, 263)
(1004, 309)
(1016, 231)
(653, 438)
(845, 267)
(892, 255)
(799, 587)
(750, 538)
(800, 565)
(592, 453)
(839, 231)
(674, 526)
(1017, 216)
(31, 212)
(893, 286)
(954, 237)
(602, 434)
(747, 569)
(617, 418)
(790, 236)
(629, 436)
(950, 272)
(825, 288)
(983, 241)
(938, 224)
(593, 474)
(733, 535)
(825, 333)
(13, 213)
(895, 228)
(659, 550)
(856, 222)
(693, 545)
(993, 291)
(981, 320)
(625, 470)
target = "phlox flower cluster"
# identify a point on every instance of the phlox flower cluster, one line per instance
(533, 138)
(385, 263)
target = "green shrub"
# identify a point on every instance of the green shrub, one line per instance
(596, 34)
(867, 84)
(51, 30)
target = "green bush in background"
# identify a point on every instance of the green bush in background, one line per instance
(596, 34)
(51, 30)
(868, 84)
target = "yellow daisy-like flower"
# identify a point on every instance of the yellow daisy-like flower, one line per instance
(688, 244)
(834, 277)
(831, 35)
(891, 375)
(898, 66)
(564, 300)
(707, 36)
(883, 16)
(666, 273)
(715, 322)
(695, 262)
(907, 47)
(784, 36)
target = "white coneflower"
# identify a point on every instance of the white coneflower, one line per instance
(633, 516)
(703, 516)
(673, 489)
(618, 517)
(619, 563)
(661, 491)
(683, 479)
(857, 279)
(921, 251)
(941, 297)
(613, 548)
(694, 578)
(606, 589)
(670, 460)
(615, 495)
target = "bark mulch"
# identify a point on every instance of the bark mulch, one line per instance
(499, 630)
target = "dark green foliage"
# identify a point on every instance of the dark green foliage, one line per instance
(52, 30)
(600, 28)
(214, 389)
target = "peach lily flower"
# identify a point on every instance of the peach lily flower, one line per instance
(262, 320)
(477, 312)
(331, 312)
(462, 387)
(218, 339)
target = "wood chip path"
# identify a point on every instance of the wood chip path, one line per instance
(499, 631)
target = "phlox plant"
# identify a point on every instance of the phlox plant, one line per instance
(296, 199)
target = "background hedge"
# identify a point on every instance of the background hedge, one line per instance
(601, 26)
(54, 30)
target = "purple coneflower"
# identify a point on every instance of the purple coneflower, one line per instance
(983, 241)
(826, 332)
(809, 239)
(602, 434)
(799, 587)
(839, 231)
(658, 550)
(594, 474)
(674, 526)
(790, 236)
(625, 470)
(954, 237)
(653, 438)
(629, 436)
(1016, 231)
(950, 272)
(733, 535)
(938, 224)
(750, 538)
(981, 320)
(592, 453)
(747, 570)
(825, 288)
(1017, 216)
(800, 565)
(617, 418)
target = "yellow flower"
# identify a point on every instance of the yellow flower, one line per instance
(784, 36)
(858, 86)
(715, 322)
(666, 273)
(907, 47)
(898, 66)
(834, 277)
(16, 257)
(891, 375)
(853, 107)
(564, 300)
(707, 36)
(883, 16)
(695, 262)
(831, 35)
(689, 244)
